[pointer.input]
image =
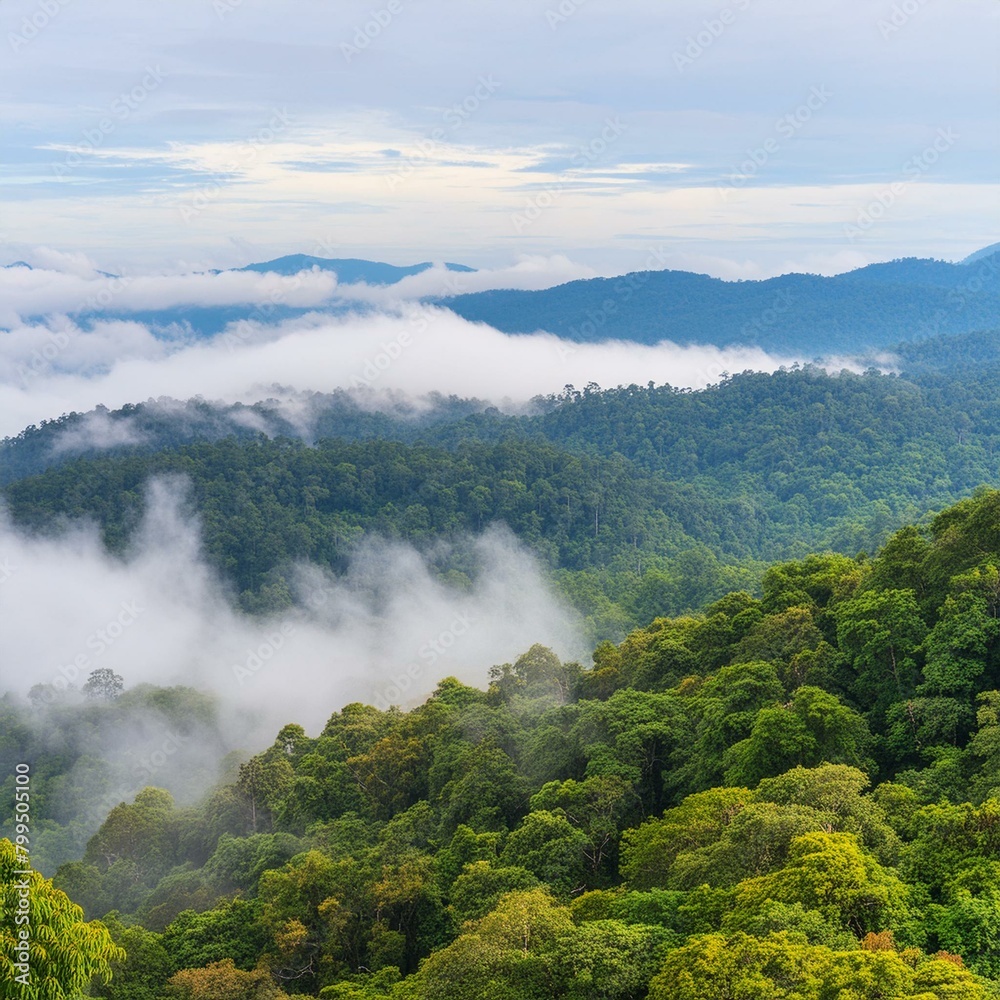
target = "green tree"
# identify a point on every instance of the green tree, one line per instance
(223, 981)
(882, 630)
(957, 646)
(509, 952)
(551, 848)
(831, 873)
(649, 851)
(145, 969)
(47, 950)
(103, 685)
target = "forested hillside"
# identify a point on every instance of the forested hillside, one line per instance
(792, 795)
(872, 307)
(642, 500)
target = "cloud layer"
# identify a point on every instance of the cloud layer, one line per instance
(386, 632)
(51, 369)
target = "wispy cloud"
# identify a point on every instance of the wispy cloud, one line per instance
(159, 614)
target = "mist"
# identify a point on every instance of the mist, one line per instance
(386, 631)
(416, 350)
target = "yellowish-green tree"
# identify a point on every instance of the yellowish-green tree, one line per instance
(47, 950)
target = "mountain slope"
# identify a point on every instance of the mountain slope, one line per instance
(868, 309)
(349, 270)
(610, 486)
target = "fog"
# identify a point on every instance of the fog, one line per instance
(386, 631)
(50, 369)
(60, 283)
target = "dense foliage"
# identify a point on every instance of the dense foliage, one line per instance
(641, 500)
(790, 796)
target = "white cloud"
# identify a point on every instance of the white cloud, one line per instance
(97, 431)
(530, 273)
(417, 351)
(386, 631)
(38, 292)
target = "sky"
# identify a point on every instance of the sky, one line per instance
(743, 139)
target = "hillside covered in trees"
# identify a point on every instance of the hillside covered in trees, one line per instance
(791, 796)
(872, 307)
(640, 500)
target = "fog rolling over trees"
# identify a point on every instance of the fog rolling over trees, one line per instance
(790, 788)
(166, 616)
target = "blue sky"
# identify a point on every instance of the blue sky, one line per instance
(742, 138)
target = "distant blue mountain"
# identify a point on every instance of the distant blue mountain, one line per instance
(871, 308)
(349, 270)
(993, 248)
(804, 315)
